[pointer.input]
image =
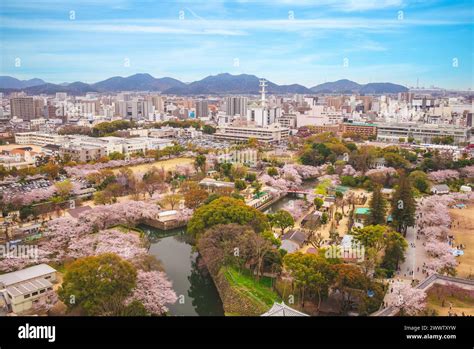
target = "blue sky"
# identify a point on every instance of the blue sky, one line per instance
(299, 41)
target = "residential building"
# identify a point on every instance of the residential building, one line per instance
(22, 108)
(271, 134)
(236, 106)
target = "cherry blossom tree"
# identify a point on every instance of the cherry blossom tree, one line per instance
(348, 170)
(81, 171)
(45, 302)
(443, 175)
(297, 208)
(467, 171)
(154, 291)
(408, 300)
(390, 171)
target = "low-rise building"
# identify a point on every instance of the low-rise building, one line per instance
(440, 189)
(272, 134)
(422, 133)
(23, 288)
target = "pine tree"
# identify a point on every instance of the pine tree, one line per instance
(378, 207)
(403, 205)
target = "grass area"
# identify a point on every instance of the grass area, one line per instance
(166, 164)
(462, 228)
(258, 291)
(442, 297)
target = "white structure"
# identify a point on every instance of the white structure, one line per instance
(271, 134)
(281, 309)
(38, 138)
(22, 289)
(440, 189)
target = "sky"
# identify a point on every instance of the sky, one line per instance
(301, 41)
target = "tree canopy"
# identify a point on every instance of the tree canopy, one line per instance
(225, 210)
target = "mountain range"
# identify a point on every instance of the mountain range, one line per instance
(212, 85)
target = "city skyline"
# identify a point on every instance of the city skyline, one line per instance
(285, 41)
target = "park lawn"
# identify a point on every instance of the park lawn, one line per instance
(167, 165)
(458, 305)
(259, 292)
(463, 235)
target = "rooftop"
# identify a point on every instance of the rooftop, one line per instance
(26, 274)
(362, 210)
(281, 309)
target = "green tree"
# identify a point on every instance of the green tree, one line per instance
(403, 205)
(240, 184)
(116, 156)
(91, 283)
(282, 219)
(311, 273)
(378, 207)
(226, 210)
(419, 180)
(64, 188)
(318, 202)
(272, 171)
(200, 163)
(257, 187)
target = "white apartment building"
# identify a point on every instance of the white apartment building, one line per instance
(38, 138)
(271, 134)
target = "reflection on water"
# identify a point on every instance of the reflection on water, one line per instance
(197, 294)
(309, 184)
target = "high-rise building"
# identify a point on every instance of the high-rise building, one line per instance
(157, 102)
(23, 108)
(202, 109)
(236, 106)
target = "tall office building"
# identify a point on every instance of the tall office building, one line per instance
(202, 109)
(23, 107)
(236, 106)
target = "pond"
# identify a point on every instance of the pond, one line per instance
(192, 284)
(280, 204)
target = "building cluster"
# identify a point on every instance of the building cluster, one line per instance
(415, 117)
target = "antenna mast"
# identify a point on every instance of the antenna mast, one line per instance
(263, 84)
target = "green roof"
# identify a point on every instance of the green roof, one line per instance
(342, 188)
(362, 210)
(359, 124)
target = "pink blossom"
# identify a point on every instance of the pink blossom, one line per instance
(82, 171)
(407, 299)
(467, 171)
(381, 171)
(348, 170)
(154, 291)
(443, 175)
(297, 208)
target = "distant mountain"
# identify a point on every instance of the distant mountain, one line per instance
(233, 84)
(339, 86)
(348, 86)
(75, 89)
(137, 82)
(10, 82)
(382, 87)
(214, 84)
